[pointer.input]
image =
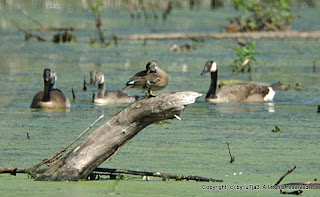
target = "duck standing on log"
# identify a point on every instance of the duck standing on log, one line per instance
(50, 97)
(237, 92)
(151, 79)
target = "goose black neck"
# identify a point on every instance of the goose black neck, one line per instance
(213, 86)
(101, 90)
(46, 92)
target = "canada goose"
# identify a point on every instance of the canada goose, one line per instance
(110, 96)
(50, 98)
(153, 78)
(237, 92)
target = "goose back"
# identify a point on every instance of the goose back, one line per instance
(241, 92)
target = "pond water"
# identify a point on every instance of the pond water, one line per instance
(194, 146)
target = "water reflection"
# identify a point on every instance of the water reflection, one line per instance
(242, 107)
(49, 112)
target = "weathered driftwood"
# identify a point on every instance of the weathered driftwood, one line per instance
(164, 176)
(253, 35)
(107, 139)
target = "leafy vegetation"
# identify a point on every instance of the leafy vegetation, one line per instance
(245, 57)
(95, 11)
(271, 15)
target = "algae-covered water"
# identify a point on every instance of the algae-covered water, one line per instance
(194, 146)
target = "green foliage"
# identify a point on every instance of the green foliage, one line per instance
(95, 11)
(245, 58)
(269, 15)
(95, 7)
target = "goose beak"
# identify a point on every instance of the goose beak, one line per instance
(47, 74)
(204, 71)
(46, 77)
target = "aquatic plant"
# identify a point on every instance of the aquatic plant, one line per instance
(245, 57)
(271, 15)
(149, 9)
(64, 37)
(95, 11)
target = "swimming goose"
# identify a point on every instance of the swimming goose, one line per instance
(153, 78)
(237, 92)
(110, 96)
(185, 47)
(50, 97)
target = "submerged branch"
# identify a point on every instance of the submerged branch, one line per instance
(231, 157)
(285, 174)
(164, 176)
(14, 171)
(61, 152)
(28, 35)
(43, 29)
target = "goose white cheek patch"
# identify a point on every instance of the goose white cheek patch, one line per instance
(270, 95)
(213, 67)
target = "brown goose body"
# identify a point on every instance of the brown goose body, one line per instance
(115, 97)
(50, 98)
(57, 100)
(110, 96)
(238, 92)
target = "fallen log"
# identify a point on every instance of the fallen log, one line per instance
(105, 141)
(224, 35)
